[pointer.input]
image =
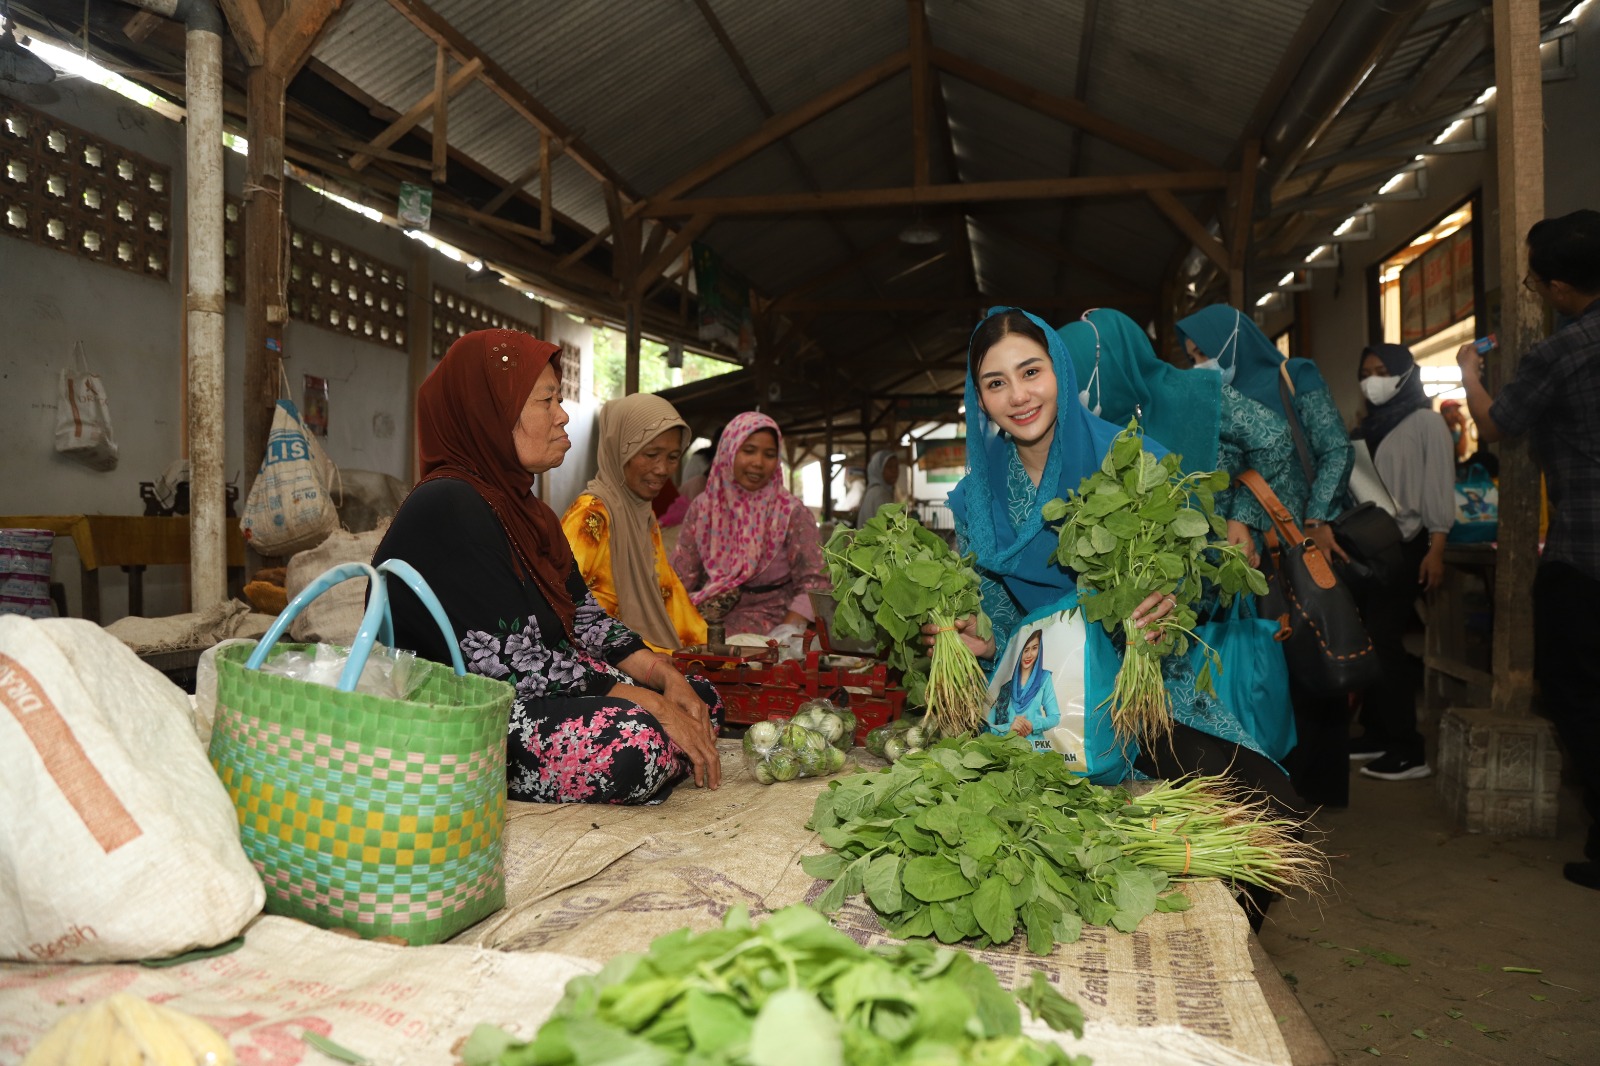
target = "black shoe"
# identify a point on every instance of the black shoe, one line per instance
(1364, 750)
(1586, 874)
(1396, 767)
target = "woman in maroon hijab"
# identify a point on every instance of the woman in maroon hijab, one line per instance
(598, 717)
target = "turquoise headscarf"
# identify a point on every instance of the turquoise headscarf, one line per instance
(1021, 557)
(1227, 335)
(1124, 377)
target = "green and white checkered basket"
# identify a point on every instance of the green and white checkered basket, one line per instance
(384, 816)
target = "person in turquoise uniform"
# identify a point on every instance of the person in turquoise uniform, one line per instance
(1261, 391)
(1027, 703)
(1030, 440)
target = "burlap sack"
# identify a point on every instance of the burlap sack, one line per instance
(117, 840)
(333, 617)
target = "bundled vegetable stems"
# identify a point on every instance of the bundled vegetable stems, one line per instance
(891, 577)
(983, 838)
(1136, 526)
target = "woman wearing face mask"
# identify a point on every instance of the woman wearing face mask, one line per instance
(1030, 440)
(613, 529)
(749, 551)
(1414, 454)
(1261, 392)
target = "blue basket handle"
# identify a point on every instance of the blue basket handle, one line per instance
(374, 622)
(414, 581)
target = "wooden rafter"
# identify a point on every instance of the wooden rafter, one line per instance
(418, 111)
(1189, 226)
(249, 29)
(289, 42)
(971, 192)
(441, 114)
(664, 258)
(921, 78)
(503, 85)
(1067, 110)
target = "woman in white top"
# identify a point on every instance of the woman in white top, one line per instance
(1415, 455)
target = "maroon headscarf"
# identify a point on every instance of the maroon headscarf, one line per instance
(466, 411)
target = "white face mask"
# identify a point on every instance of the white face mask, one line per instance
(1233, 364)
(1380, 390)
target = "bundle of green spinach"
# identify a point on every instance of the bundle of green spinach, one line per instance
(1140, 525)
(983, 838)
(891, 577)
(792, 992)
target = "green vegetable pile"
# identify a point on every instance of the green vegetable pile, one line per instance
(982, 838)
(782, 749)
(892, 576)
(793, 992)
(1136, 526)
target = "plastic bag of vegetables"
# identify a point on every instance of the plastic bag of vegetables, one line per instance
(781, 749)
(900, 738)
(838, 724)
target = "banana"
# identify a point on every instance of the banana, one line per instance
(92, 1041)
(210, 1048)
(157, 1039)
(51, 1050)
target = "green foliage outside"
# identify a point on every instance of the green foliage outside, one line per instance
(611, 364)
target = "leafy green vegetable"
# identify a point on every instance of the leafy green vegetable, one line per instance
(983, 838)
(891, 577)
(1140, 525)
(792, 992)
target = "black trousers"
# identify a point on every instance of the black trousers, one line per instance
(1566, 663)
(1389, 708)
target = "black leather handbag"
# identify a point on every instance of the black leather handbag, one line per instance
(1324, 639)
(1367, 533)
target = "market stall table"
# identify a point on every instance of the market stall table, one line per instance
(132, 542)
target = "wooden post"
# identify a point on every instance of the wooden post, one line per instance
(1519, 104)
(918, 24)
(827, 470)
(419, 343)
(265, 304)
(547, 231)
(630, 378)
(1243, 216)
(441, 115)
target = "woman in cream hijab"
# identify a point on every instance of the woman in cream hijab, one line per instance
(614, 534)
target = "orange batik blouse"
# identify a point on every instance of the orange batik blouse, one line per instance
(587, 525)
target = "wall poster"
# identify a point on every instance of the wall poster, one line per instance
(314, 412)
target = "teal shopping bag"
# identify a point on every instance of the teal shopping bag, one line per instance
(1253, 678)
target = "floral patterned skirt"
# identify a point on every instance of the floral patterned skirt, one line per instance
(595, 749)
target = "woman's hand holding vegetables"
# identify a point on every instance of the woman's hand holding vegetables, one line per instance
(1239, 534)
(691, 733)
(967, 630)
(1022, 727)
(1155, 607)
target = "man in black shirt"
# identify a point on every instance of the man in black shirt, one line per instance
(1555, 399)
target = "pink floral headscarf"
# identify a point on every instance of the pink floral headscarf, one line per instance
(744, 531)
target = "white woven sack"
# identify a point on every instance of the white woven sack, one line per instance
(83, 416)
(118, 841)
(289, 508)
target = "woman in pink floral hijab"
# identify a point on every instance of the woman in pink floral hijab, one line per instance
(748, 541)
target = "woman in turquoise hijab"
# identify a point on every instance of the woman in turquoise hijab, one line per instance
(1255, 433)
(1030, 440)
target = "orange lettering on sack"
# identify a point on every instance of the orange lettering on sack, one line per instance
(75, 774)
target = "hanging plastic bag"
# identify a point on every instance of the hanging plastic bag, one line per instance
(289, 508)
(83, 416)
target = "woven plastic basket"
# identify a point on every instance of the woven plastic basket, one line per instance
(379, 815)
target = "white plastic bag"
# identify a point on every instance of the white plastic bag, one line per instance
(289, 508)
(83, 416)
(118, 840)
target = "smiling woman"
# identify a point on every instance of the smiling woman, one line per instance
(749, 550)
(613, 530)
(598, 717)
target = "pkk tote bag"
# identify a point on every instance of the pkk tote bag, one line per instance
(1328, 648)
(384, 816)
(83, 416)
